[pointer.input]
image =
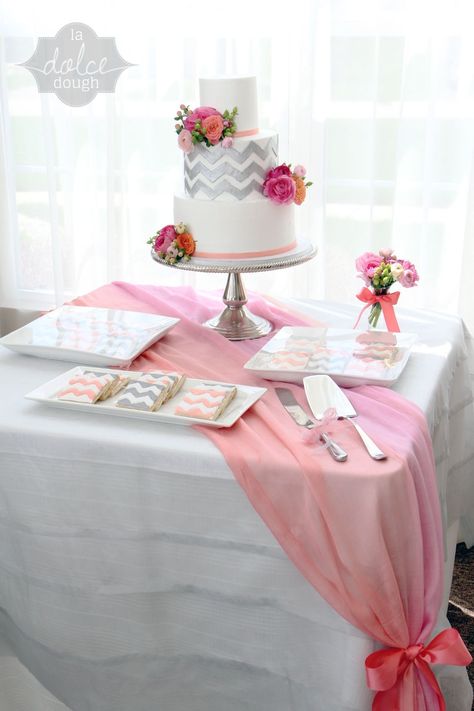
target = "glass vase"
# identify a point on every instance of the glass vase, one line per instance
(375, 312)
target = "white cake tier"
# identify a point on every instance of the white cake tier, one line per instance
(226, 92)
(237, 230)
(237, 173)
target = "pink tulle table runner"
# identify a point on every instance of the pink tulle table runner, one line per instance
(366, 534)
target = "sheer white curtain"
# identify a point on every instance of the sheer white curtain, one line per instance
(376, 98)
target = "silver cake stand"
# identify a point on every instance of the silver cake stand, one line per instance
(236, 322)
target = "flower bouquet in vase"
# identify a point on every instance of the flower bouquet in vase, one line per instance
(379, 272)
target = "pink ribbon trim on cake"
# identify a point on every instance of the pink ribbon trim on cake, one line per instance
(387, 669)
(249, 132)
(246, 255)
(386, 301)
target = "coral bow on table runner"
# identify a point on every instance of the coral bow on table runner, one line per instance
(386, 301)
(367, 535)
(387, 670)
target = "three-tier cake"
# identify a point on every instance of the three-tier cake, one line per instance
(222, 202)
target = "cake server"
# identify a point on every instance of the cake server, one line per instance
(295, 411)
(322, 392)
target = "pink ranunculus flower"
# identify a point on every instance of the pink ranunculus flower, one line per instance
(276, 172)
(281, 189)
(367, 264)
(299, 171)
(164, 239)
(387, 254)
(213, 127)
(409, 276)
(227, 142)
(172, 251)
(199, 114)
(185, 141)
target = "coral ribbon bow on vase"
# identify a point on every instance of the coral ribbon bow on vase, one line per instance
(386, 301)
(390, 672)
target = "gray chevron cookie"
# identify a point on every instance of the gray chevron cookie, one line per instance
(143, 395)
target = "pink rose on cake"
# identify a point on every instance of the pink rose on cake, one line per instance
(282, 169)
(284, 186)
(198, 115)
(185, 141)
(164, 238)
(299, 171)
(281, 189)
(212, 127)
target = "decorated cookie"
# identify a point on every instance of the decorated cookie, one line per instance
(116, 387)
(289, 360)
(87, 387)
(117, 384)
(174, 381)
(146, 395)
(206, 402)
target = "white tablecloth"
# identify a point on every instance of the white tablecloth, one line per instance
(135, 575)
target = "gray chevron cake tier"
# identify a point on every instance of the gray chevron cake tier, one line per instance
(237, 173)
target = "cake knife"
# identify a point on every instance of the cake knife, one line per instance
(296, 412)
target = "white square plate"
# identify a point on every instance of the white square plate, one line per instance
(246, 396)
(91, 336)
(350, 357)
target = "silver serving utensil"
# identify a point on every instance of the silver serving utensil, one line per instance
(295, 411)
(322, 392)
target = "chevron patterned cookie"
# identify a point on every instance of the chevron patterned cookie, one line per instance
(118, 383)
(289, 360)
(87, 387)
(174, 381)
(329, 361)
(206, 402)
(143, 395)
(302, 344)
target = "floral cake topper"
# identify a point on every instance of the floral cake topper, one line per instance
(285, 186)
(173, 243)
(204, 125)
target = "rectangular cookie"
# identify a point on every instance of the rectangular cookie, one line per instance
(145, 395)
(205, 402)
(118, 383)
(173, 380)
(289, 360)
(87, 387)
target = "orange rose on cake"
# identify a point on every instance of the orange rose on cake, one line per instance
(185, 241)
(300, 190)
(213, 127)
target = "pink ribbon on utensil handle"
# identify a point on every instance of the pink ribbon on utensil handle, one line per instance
(386, 301)
(388, 670)
(313, 436)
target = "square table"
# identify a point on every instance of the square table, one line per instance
(136, 574)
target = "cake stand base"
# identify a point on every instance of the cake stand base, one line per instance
(236, 322)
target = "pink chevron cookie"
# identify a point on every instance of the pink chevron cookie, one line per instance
(205, 403)
(300, 343)
(86, 387)
(289, 360)
(119, 382)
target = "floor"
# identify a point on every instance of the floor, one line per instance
(461, 604)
